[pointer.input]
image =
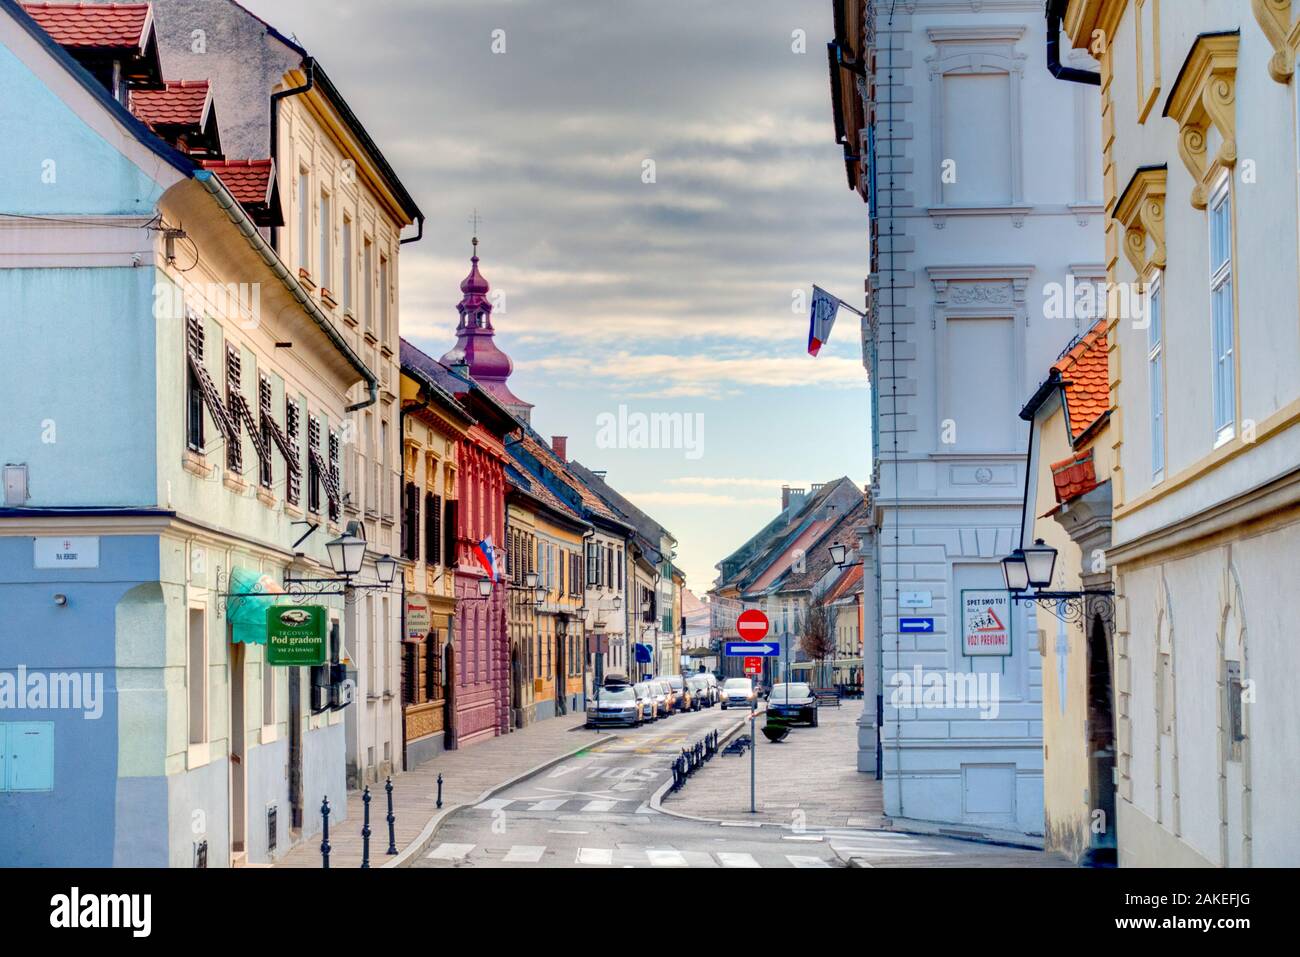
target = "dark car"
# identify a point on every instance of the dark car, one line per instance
(795, 702)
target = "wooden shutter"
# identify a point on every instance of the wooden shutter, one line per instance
(292, 451)
(235, 444)
(449, 556)
(332, 476)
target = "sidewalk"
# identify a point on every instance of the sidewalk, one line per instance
(813, 775)
(467, 774)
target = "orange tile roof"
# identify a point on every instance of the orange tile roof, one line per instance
(94, 25)
(1084, 371)
(182, 103)
(1074, 476)
(846, 583)
(249, 181)
(544, 454)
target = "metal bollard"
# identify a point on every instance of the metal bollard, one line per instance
(439, 789)
(365, 828)
(392, 839)
(325, 833)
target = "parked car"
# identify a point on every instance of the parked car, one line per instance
(794, 701)
(663, 698)
(678, 686)
(715, 689)
(701, 694)
(616, 704)
(738, 693)
(645, 698)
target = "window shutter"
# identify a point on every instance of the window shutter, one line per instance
(332, 477)
(449, 557)
(313, 464)
(292, 452)
(432, 668)
(235, 445)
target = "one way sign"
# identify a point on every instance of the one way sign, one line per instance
(740, 649)
(924, 625)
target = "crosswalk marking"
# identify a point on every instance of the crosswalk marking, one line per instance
(800, 860)
(736, 859)
(493, 804)
(665, 858)
(596, 806)
(600, 856)
(450, 852)
(549, 804)
(525, 854)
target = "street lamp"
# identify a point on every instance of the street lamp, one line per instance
(346, 554)
(838, 553)
(386, 568)
(531, 580)
(485, 588)
(1040, 562)
(1015, 572)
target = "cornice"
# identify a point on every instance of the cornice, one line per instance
(1141, 211)
(1205, 94)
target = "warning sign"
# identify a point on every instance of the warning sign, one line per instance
(986, 622)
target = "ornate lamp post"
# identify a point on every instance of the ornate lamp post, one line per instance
(1033, 567)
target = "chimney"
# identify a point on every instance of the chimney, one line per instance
(560, 445)
(785, 497)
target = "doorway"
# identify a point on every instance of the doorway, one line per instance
(238, 784)
(295, 752)
(561, 668)
(1101, 744)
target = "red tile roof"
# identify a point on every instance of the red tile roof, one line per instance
(182, 103)
(1084, 370)
(94, 25)
(544, 454)
(1074, 476)
(249, 181)
(846, 584)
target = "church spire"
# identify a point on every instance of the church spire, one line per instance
(488, 365)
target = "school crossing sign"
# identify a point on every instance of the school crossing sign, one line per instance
(986, 622)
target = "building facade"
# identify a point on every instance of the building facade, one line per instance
(152, 528)
(970, 239)
(1200, 168)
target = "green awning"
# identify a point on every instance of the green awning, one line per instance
(251, 594)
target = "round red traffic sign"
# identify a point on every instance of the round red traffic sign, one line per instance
(752, 625)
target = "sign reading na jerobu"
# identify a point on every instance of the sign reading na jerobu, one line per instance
(295, 635)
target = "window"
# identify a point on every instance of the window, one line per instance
(193, 389)
(314, 471)
(432, 528)
(1221, 313)
(411, 522)
(1155, 375)
(449, 556)
(196, 676)
(368, 284)
(304, 219)
(234, 447)
(981, 166)
(326, 224)
(292, 429)
(347, 263)
(383, 299)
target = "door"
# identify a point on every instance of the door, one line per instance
(561, 668)
(295, 750)
(1101, 742)
(238, 796)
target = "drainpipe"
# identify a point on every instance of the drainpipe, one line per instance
(1068, 73)
(418, 236)
(309, 68)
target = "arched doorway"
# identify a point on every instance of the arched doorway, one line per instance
(561, 667)
(1101, 747)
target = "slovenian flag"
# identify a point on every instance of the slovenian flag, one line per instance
(821, 319)
(486, 556)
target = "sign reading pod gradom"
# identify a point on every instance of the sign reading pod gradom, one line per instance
(295, 635)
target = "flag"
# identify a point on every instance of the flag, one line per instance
(486, 556)
(821, 319)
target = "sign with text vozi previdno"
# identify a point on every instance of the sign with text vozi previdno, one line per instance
(985, 622)
(295, 635)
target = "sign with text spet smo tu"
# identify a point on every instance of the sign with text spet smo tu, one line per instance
(985, 622)
(295, 635)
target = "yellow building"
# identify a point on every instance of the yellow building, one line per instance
(432, 425)
(1068, 508)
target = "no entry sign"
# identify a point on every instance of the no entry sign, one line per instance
(752, 625)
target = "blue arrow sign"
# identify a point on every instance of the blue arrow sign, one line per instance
(916, 624)
(740, 649)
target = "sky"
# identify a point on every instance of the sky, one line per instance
(658, 187)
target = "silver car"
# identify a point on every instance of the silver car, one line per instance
(738, 693)
(645, 698)
(663, 699)
(615, 705)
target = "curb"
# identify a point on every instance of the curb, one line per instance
(656, 799)
(426, 836)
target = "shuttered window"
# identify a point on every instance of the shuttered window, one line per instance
(292, 451)
(432, 528)
(450, 558)
(332, 477)
(193, 389)
(234, 447)
(314, 463)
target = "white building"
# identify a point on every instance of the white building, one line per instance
(981, 175)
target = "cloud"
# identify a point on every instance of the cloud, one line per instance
(698, 499)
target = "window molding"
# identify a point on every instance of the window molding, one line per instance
(1147, 96)
(1274, 19)
(1141, 211)
(969, 51)
(1205, 95)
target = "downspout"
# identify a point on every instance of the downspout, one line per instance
(1068, 73)
(418, 236)
(309, 68)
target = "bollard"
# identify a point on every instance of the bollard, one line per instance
(440, 789)
(325, 833)
(392, 840)
(365, 828)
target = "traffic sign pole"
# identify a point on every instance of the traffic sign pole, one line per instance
(753, 747)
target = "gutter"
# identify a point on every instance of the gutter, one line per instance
(309, 67)
(212, 183)
(1055, 9)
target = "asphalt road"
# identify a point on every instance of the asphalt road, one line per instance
(593, 810)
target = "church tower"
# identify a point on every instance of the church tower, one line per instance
(488, 365)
